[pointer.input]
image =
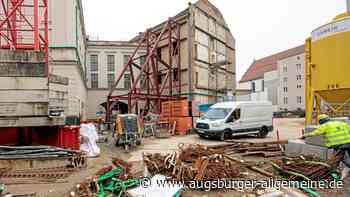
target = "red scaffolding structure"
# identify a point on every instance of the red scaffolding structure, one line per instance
(24, 26)
(158, 77)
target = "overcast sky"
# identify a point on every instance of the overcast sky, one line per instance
(260, 27)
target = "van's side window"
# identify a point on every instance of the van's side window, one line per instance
(235, 115)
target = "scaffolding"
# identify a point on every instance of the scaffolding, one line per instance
(158, 77)
(24, 26)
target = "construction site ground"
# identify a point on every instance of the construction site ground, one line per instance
(288, 129)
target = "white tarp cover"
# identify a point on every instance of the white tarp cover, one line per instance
(90, 136)
(154, 189)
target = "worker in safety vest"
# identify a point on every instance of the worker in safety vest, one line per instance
(336, 135)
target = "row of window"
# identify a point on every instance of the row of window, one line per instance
(285, 79)
(285, 68)
(110, 80)
(110, 62)
(111, 72)
(285, 89)
(299, 100)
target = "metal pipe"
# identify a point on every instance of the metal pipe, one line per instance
(36, 26)
(190, 48)
(348, 5)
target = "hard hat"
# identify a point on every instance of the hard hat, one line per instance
(323, 117)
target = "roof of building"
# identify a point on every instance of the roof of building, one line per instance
(180, 16)
(159, 26)
(267, 64)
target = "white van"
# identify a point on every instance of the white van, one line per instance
(227, 119)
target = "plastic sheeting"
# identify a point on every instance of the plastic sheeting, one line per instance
(89, 134)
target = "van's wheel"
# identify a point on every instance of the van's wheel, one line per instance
(126, 147)
(201, 136)
(223, 135)
(263, 132)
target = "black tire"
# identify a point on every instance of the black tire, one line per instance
(127, 147)
(263, 132)
(117, 142)
(201, 136)
(224, 135)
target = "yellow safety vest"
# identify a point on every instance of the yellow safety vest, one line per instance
(335, 133)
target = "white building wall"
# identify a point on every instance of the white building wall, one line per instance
(67, 42)
(292, 83)
(265, 89)
(62, 22)
(258, 94)
(271, 83)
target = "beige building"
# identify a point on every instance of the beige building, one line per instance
(105, 61)
(265, 79)
(291, 89)
(67, 43)
(208, 60)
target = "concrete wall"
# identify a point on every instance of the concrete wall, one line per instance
(212, 43)
(77, 91)
(67, 41)
(95, 98)
(62, 26)
(288, 78)
(27, 96)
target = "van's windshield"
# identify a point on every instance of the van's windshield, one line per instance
(217, 113)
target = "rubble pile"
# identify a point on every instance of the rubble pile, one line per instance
(299, 169)
(193, 162)
(108, 181)
(265, 149)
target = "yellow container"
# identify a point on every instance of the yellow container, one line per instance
(327, 55)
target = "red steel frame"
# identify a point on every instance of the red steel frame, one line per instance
(153, 67)
(24, 26)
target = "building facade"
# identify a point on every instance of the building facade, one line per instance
(264, 77)
(207, 56)
(291, 89)
(208, 60)
(105, 60)
(67, 44)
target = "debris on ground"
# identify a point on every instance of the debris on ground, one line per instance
(21, 165)
(194, 162)
(4, 193)
(265, 149)
(34, 152)
(111, 180)
(299, 169)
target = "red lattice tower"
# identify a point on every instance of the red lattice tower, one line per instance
(24, 25)
(156, 73)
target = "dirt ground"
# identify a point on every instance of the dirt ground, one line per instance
(288, 129)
